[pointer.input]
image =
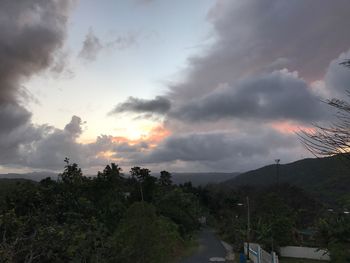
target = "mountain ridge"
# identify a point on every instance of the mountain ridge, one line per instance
(327, 177)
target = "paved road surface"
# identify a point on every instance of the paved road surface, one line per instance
(210, 249)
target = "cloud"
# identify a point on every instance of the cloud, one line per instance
(233, 110)
(74, 127)
(337, 79)
(224, 151)
(91, 46)
(32, 32)
(124, 41)
(158, 105)
(16, 131)
(53, 145)
(256, 36)
(45, 147)
(273, 96)
(228, 109)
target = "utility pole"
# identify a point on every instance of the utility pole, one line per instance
(248, 227)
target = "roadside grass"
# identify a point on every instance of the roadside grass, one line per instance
(300, 260)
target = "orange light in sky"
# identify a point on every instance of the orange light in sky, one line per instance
(155, 135)
(290, 127)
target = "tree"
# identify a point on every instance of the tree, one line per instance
(72, 173)
(146, 182)
(145, 237)
(111, 173)
(140, 173)
(335, 138)
(182, 208)
(165, 178)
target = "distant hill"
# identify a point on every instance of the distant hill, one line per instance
(178, 178)
(35, 176)
(202, 178)
(327, 178)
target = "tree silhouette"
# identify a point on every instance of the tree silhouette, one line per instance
(165, 178)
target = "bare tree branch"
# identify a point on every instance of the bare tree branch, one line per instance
(335, 138)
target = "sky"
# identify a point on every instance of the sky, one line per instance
(195, 86)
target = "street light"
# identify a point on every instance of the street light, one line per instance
(248, 224)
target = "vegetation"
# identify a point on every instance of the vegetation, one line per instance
(141, 218)
(107, 218)
(334, 235)
(280, 215)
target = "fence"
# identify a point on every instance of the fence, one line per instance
(258, 255)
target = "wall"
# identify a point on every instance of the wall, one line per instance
(304, 252)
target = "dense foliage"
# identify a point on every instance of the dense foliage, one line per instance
(334, 235)
(280, 215)
(107, 218)
(141, 218)
(276, 213)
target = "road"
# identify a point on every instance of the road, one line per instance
(210, 249)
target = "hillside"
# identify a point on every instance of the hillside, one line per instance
(178, 178)
(327, 178)
(202, 178)
(34, 176)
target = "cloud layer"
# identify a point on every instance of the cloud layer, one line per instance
(254, 36)
(269, 65)
(279, 95)
(31, 33)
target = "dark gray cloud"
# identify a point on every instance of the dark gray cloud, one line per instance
(50, 149)
(74, 127)
(158, 105)
(224, 151)
(32, 32)
(16, 133)
(125, 148)
(279, 95)
(91, 46)
(45, 147)
(258, 35)
(12, 115)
